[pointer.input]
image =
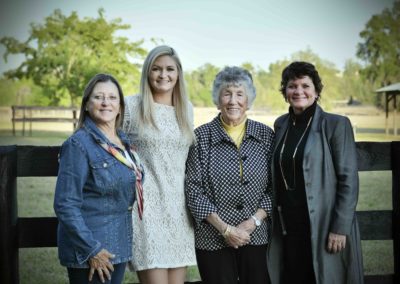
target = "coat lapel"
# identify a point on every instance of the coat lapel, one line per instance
(312, 136)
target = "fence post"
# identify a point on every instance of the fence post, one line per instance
(395, 151)
(13, 117)
(8, 215)
(74, 117)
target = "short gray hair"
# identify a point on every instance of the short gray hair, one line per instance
(233, 76)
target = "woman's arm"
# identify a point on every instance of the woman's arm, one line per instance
(344, 156)
(195, 186)
(68, 199)
(265, 203)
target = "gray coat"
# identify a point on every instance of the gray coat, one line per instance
(331, 184)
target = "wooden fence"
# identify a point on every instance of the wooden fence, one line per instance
(25, 114)
(30, 161)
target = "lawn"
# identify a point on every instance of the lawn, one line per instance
(35, 197)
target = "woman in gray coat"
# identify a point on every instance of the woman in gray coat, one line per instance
(315, 236)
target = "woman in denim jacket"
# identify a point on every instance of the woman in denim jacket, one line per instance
(98, 176)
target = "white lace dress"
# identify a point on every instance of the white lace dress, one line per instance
(164, 238)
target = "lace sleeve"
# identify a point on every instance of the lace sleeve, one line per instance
(191, 116)
(126, 124)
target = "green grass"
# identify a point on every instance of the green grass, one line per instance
(376, 194)
(35, 199)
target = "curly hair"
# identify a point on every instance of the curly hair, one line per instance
(300, 69)
(233, 76)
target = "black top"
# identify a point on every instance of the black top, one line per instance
(293, 201)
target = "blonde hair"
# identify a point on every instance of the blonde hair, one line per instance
(179, 95)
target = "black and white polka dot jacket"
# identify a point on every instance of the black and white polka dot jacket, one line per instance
(213, 182)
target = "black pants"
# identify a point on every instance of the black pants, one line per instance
(246, 265)
(297, 258)
(298, 267)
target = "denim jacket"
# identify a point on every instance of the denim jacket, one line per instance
(93, 200)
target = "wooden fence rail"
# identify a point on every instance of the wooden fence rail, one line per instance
(25, 115)
(40, 161)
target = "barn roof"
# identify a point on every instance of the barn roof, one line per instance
(389, 88)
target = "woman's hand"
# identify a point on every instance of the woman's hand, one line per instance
(336, 243)
(237, 237)
(101, 263)
(248, 225)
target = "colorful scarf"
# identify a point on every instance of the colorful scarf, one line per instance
(135, 167)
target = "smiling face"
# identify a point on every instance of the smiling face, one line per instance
(300, 93)
(233, 103)
(103, 105)
(163, 75)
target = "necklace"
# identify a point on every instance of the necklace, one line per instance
(293, 157)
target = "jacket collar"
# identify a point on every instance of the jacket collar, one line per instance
(98, 136)
(218, 133)
(282, 123)
(305, 115)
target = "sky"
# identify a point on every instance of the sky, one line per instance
(220, 32)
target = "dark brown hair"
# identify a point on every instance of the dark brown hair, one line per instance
(300, 69)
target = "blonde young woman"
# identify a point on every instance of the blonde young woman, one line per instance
(159, 122)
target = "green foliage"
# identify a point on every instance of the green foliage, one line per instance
(267, 85)
(200, 84)
(356, 86)
(268, 82)
(337, 86)
(62, 54)
(380, 48)
(20, 92)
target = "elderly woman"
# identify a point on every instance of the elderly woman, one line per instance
(95, 189)
(228, 186)
(315, 237)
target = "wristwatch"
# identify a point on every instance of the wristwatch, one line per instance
(256, 221)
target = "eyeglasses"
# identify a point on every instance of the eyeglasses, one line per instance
(102, 98)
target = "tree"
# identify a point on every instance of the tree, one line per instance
(21, 92)
(354, 85)
(268, 82)
(62, 54)
(200, 84)
(380, 48)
